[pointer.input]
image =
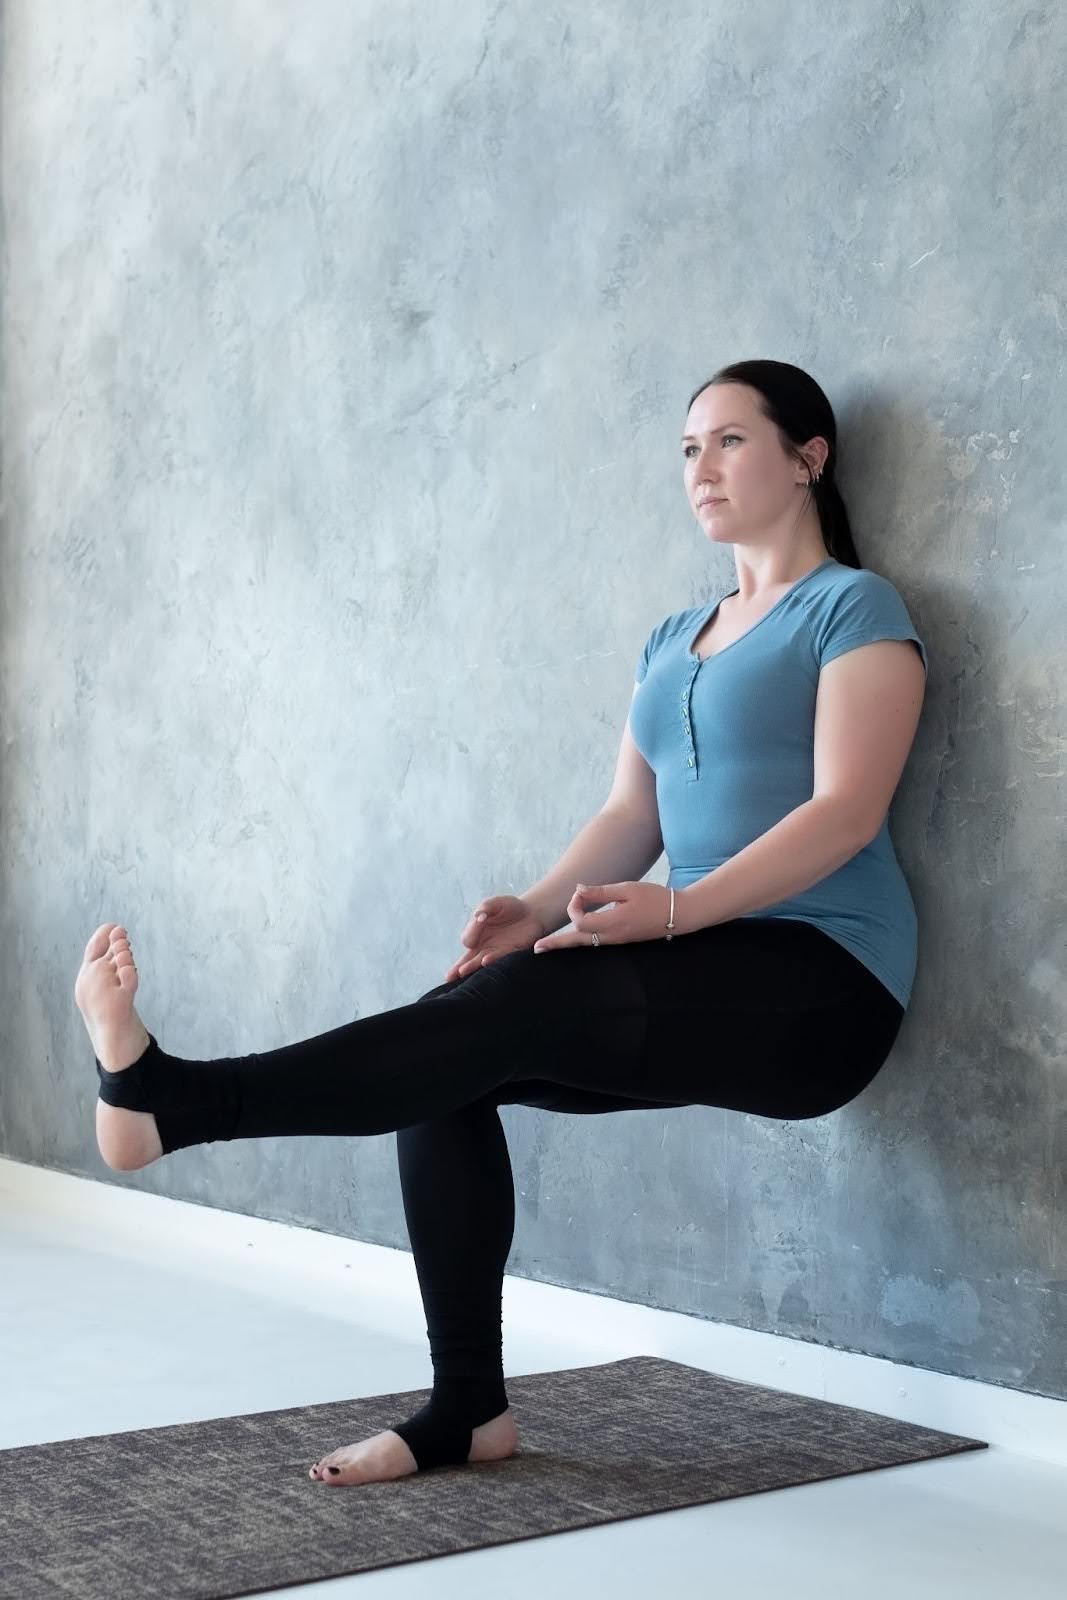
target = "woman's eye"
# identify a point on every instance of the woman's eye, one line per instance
(725, 436)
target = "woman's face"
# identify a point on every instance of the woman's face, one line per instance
(733, 455)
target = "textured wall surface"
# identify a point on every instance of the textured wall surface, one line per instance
(345, 359)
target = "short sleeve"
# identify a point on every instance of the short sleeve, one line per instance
(663, 629)
(645, 658)
(861, 611)
(659, 638)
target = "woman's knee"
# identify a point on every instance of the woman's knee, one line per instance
(504, 979)
(488, 982)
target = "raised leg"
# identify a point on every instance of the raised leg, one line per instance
(582, 1021)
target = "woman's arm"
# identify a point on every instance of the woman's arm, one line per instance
(613, 847)
(618, 845)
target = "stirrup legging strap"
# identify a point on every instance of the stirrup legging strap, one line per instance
(440, 1433)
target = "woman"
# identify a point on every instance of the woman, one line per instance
(766, 737)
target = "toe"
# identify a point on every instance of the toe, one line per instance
(99, 942)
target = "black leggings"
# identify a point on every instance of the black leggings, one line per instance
(759, 1015)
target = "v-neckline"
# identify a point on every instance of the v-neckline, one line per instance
(711, 610)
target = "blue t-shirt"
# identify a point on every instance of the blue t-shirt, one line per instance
(731, 740)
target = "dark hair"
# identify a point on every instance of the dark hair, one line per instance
(791, 399)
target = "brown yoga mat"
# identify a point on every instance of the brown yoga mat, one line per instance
(204, 1510)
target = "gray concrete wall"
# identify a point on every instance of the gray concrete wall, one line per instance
(345, 358)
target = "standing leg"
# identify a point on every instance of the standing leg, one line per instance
(459, 1204)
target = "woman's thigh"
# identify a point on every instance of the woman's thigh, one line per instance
(762, 1015)
(771, 1017)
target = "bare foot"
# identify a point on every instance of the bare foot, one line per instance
(387, 1456)
(104, 991)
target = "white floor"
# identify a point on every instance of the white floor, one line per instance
(115, 1315)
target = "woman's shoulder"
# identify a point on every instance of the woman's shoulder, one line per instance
(839, 584)
(853, 605)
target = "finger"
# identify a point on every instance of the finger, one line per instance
(457, 969)
(467, 965)
(590, 894)
(477, 927)
(604, 894)
(474, 932)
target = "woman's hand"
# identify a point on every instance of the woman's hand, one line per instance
(640, 911)
(501, 923)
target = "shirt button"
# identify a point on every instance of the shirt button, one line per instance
(690, 761)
